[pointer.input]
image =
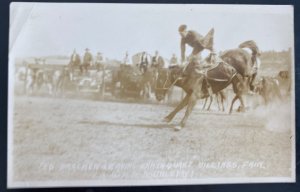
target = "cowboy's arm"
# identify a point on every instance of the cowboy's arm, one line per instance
(182, 46)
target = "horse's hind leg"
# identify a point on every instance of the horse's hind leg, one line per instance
(180, 106)
(218, 103)
(222, 94)
(210, 102)
(204, 105)
(238, 89)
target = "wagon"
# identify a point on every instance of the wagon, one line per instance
(71, 82)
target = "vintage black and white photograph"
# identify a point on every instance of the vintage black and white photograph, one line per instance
(150, 94)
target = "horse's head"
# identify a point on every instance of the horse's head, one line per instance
(165, 79)
(163, 83)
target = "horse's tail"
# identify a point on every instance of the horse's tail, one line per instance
(251, 45)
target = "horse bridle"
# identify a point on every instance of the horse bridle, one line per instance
(165, 83)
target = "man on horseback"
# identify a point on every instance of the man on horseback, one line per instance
(198, 43)
(74, 59)
(74, 62)
(87, 61)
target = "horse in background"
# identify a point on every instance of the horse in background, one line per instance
(61, 80)
(284, 82)
(268, 88)
(44, 77)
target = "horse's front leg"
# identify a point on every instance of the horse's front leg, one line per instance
(180, 106)
(191, 104)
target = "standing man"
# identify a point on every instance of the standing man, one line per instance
(87, 61)
(196, 41)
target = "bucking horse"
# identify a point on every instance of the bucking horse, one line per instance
(199, 86)
(234, 68)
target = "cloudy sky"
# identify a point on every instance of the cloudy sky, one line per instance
(42, 29)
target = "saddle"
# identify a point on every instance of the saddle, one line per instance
(204, 67)
(219, 73)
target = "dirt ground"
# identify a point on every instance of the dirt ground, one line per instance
(71, 139)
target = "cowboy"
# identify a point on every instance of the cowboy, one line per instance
(196, 41)
(144, 62)
(99, 61)
(87, 60)
(74, 60)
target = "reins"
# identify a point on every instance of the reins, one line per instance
(165, 83)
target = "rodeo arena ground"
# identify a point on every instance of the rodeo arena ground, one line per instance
(116, 112)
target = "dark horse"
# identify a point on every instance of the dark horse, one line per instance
(242, 61)
(235, 68)
(198, 86)
(133, 81)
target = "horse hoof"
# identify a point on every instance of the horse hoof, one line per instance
(178, 128)
(241, 109)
